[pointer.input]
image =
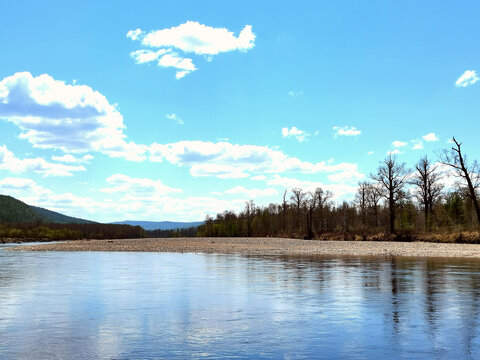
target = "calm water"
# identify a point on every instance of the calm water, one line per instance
(155, 305)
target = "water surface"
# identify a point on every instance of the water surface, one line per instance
(90, 305)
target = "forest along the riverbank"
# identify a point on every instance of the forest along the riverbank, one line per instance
(266, 246)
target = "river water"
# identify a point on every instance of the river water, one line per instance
(92, 305)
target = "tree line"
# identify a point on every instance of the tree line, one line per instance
(395, 200)
(42, 232)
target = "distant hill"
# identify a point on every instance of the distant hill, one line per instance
(161, 225)
(16, 211)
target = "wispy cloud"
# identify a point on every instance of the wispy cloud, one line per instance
(139, 186)
(417, 145)
(9, 162)
(258, 177)
(175, 118)
(295, 93)
(469, 77)
(346, 131)
(398, 144)
(251, 193)
(70, 159)
(227, 160)
(298, 134)
(394, 152)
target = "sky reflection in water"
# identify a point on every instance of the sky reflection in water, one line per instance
(157, 305)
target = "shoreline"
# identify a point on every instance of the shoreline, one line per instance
(265, 246)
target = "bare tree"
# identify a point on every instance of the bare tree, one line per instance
(392, 176)
(322, 200)
(249, 212)
(297, 197)
(284, 210)
(468, 173)
(428, 188)
(374, 195)
(311, 203)
(362, 200)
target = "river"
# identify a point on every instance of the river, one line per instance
(107, 305)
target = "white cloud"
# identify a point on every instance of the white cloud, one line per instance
(72, 118)
(399, 144)
(193, 37)
(190, 37)
(351, 176)
(298, 134)
(447, 176)
(175, 118)
(9, 162)
(430, 137)
(394, 152)
(469, 77)
(134, 34)
(226, 160)
(70, 159)
(218, 170)
(139, 187)
(11, 185)
(145, 56)
(252, 193)
(346, 131)
(184, 65)
(258, 177)
(417, 145)
(371, 153)
(165, 58)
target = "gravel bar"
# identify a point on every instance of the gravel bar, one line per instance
(265, 246)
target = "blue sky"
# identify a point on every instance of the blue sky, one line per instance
(174, 110)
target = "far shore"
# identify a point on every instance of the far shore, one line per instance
(265, 246)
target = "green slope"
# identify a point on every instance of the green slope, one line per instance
(16, 211)
(13, 210)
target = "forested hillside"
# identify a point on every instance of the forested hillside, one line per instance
(16, 211)
(20, 221)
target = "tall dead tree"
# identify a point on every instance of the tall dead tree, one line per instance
(361, 199)
(468, 173)
(284, 210)
(311, 203)
(322, 196)
(392, 177)
(249, 211)
(428, 188)
(374, 195)
(297, 197)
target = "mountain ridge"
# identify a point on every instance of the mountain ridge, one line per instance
(13, 210)
(160, 225)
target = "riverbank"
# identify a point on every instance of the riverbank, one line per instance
(266, 246)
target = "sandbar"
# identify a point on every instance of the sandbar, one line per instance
(265, 246)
